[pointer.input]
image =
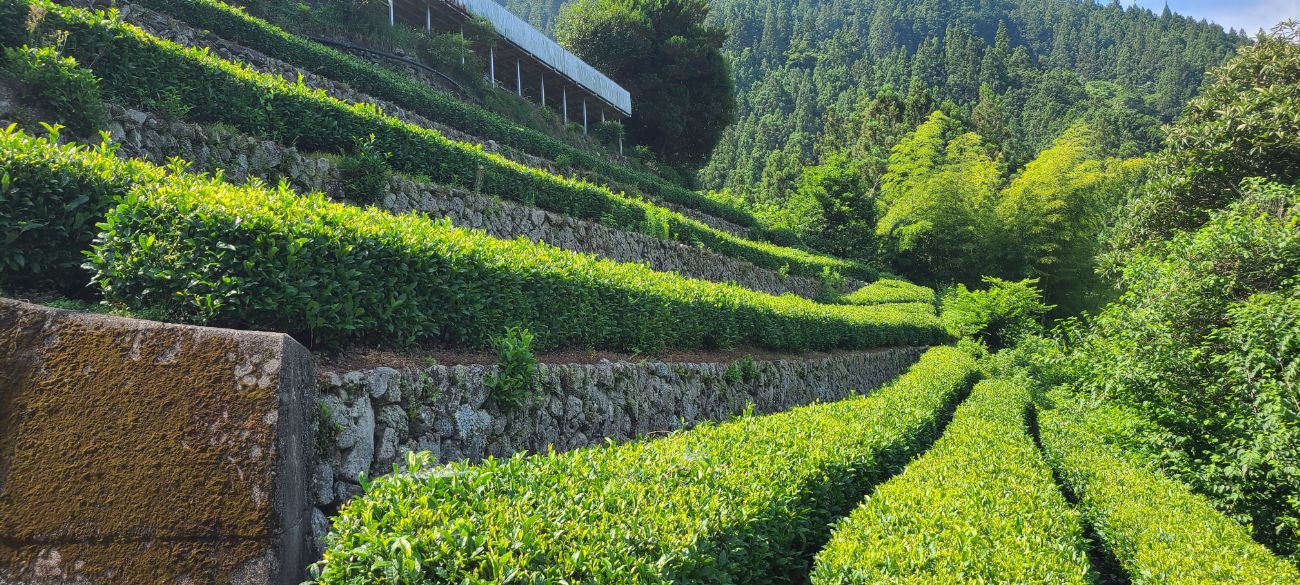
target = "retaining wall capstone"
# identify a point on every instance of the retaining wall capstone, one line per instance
(373, 417)
(137, 452)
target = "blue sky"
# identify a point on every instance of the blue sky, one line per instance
(1248, 14)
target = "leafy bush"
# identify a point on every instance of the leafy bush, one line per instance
(1197, 342)
(980, 506)
(51, 197)
(138, 67)
(236, 25)
(888, 290)
(248, 256)
(58, 85)
(365, 172)
(516, 367)
(1242, 125)
(740, 502)
(609, 132)
(1157, 529)
(997, 315)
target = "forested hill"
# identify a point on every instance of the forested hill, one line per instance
(1019, 72)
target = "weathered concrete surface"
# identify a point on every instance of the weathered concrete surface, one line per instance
(140, 452)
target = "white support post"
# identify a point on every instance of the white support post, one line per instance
(564, 101)
(492, 65)
(519, 78)
(584, 115)
(462, 43)
(602, 115)
(542, 76)
(392, 16)
(428, 18)
(620, 146)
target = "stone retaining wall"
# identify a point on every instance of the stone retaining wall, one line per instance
(136, 452)
(373, 417)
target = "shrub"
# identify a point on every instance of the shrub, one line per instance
(980, 506)
(998, 315)
(200, 249)
(365, 172)
(1197, 342)
(516, 367)
(58, 85)
(236, 25)
(268, 258)
(888, 290)
(740, 502)
(1157, 529)
(138, 68)
(51, 197)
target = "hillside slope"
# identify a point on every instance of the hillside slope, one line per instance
(1023, 70)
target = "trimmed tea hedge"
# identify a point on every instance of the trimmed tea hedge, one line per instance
(979, 507)
(269, 258)
(1158, 530)
(198, 248)
(50, 200)
(139, 68)
(235, 24)
(888, 290)
(746, 501)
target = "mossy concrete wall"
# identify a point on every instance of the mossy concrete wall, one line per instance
(138, 452)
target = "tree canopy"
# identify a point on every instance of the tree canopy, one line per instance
(669, 59)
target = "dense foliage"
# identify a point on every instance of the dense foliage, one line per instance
(669, 59)
(56, 83)
(1201, 339)
(1245, 125)
(138, 68)
(46, 223)
(747, 501)
(997, 315)
(950, 214)
(241, 27)
(980, 506)
(1155, 527)
(1018, 71)
(199, 249)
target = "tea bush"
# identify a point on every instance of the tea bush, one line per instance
(747, 501)
(1158, 530)
(57, 84)
(51, 197)
(980, 506)
(268, 258)
(365, 172)
(889, 290)
(512, 384)
(138, 68)
(237, 25)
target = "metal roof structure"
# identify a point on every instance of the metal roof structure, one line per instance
(531, 54)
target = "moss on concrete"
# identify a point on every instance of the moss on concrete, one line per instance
(133, 452)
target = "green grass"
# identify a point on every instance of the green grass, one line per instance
(979, 507)
(746, 501)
